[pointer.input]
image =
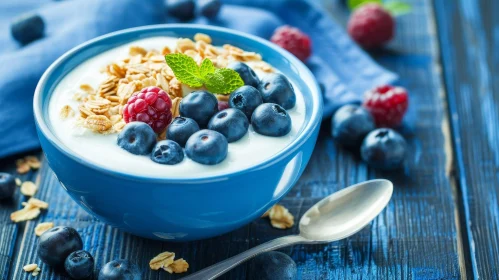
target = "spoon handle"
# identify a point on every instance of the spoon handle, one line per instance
(220, 268)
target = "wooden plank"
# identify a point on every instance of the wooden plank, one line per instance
(415, 238)
(468, 32)
(8, 230)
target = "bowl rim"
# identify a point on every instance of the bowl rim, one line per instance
(315, 119)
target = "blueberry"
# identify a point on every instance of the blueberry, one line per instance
(272, 266)
(181, 9)
(55, 245)
(350, 124)
(209, 8)
(167, 152)
(276, 88)
(7, 185)
(137, 138)
(271, 120)
(246, 99)
(120, 270)
(181, 129)
(200, 106)
(207, 147)
(247, 74)
(79, 264)
(232, 123)
(27, 28)
(384, 148)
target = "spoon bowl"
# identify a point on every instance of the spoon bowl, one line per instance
(345, 212)
(337, 216)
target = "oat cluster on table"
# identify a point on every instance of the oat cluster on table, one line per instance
(166, 262)
(32, 268)
(101, 109)
(280, 217)
(31, 210)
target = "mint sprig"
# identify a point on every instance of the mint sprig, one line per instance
(220, 81)
(396, 8)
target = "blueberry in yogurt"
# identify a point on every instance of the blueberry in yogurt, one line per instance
(120, 270)
(79, 264)
(137, 138)
(246, 73)
(200, 106)
(7, 185)
(271, 120)
(276, 88)
(246, 99)
(181, 129)
(55, 245)
(207, 147)
(167, 152)
(232, 123)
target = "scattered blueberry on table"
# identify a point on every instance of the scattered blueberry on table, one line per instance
(27, 28)
(209, 8)
(200, 106)
(247, 74)
(7, 185)
(232, 123)
(276, 88)
(181, 129)
(55, 245)
(79, 264)
(207, 147)
(272, 266)
(120, 270)
(384, 148)
(184, 10)
(167, 152)
(137, 138)
(351, 124)
(271, 120)
(246, 99)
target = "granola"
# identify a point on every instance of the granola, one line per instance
(166, 262)
(30, 211)
(43, 227)
(29, 188)
(100, 108)
(24, 165)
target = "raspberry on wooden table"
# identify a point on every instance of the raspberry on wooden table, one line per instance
(371, 26)
(151, 105)
(293, 40)
(387, 105)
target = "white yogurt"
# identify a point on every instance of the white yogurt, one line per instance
(103, 151)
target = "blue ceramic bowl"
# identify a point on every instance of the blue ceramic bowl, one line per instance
(179, 209)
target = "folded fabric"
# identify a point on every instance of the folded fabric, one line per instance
(343, 69)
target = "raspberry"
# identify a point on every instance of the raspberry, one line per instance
(293, 40)
(387, 105)
(371, 26)
(151, 105)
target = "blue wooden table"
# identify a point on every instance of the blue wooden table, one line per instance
(443, 219)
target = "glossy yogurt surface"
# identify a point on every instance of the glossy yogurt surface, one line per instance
(103, 151)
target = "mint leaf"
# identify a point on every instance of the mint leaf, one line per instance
(223, 81)
(206, 68)
(185, 69)
(398, 8)
(353, 4)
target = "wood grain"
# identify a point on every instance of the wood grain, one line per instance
(415, 238)
(468, 32)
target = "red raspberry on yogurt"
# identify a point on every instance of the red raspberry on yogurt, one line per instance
(151, 105)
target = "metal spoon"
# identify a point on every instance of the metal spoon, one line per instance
(335, 217)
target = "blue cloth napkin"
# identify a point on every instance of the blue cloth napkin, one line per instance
(343, 69)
